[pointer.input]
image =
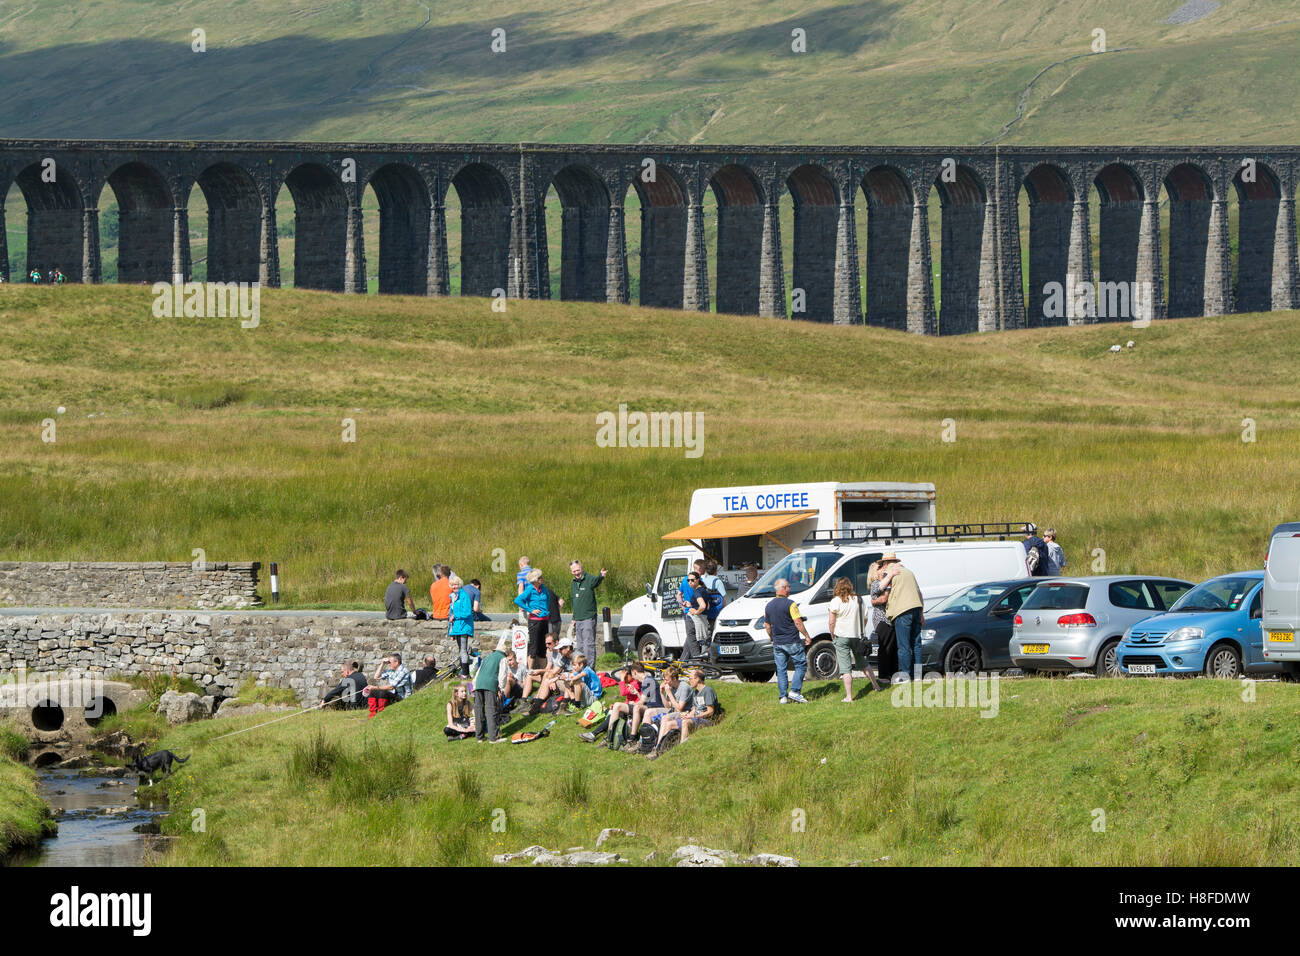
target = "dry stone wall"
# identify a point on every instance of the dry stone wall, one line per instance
(160, 584)
(220, 650)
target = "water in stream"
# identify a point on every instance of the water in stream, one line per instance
(98, 817)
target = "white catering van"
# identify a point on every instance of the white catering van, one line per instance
(762, 524)
(809, 534)
(1280, 620)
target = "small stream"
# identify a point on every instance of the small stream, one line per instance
(100, 821)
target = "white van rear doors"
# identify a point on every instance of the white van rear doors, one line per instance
(1282, 586)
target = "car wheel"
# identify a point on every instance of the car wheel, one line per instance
(756, 677)
(649, 647)
(1223, 661)
(1108, 660)
(962, 657)
(821, 661)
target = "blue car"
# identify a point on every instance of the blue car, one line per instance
(1213, 630)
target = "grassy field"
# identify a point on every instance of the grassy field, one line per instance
(476, 433)
(650, 70)
(1186, 773)
(24, 818)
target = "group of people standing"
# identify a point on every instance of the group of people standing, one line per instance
(702, 593)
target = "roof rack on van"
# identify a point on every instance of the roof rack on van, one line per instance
(1001, 530)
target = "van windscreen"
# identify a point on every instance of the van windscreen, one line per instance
(802, 569)
(1056, 597)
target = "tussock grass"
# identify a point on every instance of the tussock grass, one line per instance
(24, 817)
(920, 786)
(1137, 454)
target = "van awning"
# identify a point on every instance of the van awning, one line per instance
(740, 526)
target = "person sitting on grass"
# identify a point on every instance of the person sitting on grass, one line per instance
(519, 683)
(558, 669)
(348, 691)
(460, 714)
(629, 686)
(649, 698)
(703, 707)
(422, 675)
(583, 686)
(394, 684)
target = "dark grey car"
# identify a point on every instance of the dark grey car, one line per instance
(970, 630)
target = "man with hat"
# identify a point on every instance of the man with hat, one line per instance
(904, 610)
(1037, 547)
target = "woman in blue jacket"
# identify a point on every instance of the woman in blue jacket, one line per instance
(462, 620)
(534, 600)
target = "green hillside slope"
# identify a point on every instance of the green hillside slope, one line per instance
(875, 71)
(476, 431)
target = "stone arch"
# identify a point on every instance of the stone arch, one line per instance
(234, 222)
(1258, 204)
(404, 206)
(1191, 194)
(663, 238)
(55, 212)
(485, 208)
(144, 232)
(1051, 211)
(739, 196)
(890, 206)
(584, 232)
(1119, 216)
(320, 227)
(816, 201)
(961, 205)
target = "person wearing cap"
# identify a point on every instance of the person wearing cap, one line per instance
(1034, 543)
(904, 609)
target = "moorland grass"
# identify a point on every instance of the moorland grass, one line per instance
(1182, 771)
(480, 445)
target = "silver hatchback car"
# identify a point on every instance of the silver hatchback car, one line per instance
(1076, 623)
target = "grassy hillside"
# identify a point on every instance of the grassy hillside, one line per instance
(1186, 773)
(650, 70)
(476, 431)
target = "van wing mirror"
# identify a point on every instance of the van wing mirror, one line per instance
(650, 591)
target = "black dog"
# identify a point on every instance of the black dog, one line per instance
(147, 766)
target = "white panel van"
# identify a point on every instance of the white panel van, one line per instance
(740, 640)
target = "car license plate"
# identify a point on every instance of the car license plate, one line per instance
(1281, 637)
(1141, 668)
(1035, 648)
(728, 649)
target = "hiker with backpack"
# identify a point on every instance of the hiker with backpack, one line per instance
(1055, 554)
(848, 624)
(695, 613)
(1036, 556)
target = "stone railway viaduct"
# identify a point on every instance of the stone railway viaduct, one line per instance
(502, 192)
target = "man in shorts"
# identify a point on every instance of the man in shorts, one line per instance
(700, 713)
